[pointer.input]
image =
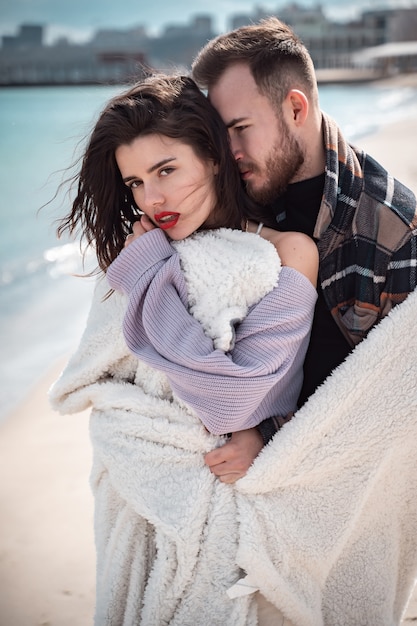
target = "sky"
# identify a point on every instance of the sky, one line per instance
(78, 19)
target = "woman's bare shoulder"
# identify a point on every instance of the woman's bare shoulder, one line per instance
(295, 250)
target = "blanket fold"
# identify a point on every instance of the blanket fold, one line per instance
(323, 524)
(341, 479)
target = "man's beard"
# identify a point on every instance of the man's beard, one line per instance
(281, 166)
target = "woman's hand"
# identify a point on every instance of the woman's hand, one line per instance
(232, 460)
(142, 226)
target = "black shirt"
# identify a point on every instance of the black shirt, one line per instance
(297, 210)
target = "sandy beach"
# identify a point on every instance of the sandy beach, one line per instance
(47, 561)
(47, 556)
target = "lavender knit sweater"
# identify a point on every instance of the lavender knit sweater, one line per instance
(259, 377)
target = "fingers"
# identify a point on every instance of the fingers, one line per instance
(232, 460)
(229, 479)
(146, 223)
(217, 456)
(140, 227)
(228, 472)
(128, 240)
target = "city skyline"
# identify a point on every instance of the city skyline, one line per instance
(79, 20)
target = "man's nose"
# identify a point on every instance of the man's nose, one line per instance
(236, 148)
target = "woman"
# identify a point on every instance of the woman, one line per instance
(220, 328)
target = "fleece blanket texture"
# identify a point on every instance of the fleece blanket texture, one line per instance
(324, 523)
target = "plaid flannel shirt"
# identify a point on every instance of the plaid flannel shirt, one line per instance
(366, 231)
(367, 237)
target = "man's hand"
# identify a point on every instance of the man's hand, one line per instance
(231, 461)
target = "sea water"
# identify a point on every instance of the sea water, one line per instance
(43, 305)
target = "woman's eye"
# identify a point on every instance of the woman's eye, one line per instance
(165, 171)
(135, 184)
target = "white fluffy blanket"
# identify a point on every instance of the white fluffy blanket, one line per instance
(324, 522)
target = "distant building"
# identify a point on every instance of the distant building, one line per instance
(120, 56)
(334, 44)
(133, 39)
(389, 58)
(29, 36)
(178, 45)
(392, 25)
(64, 64)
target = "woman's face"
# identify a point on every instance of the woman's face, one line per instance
(169, 182)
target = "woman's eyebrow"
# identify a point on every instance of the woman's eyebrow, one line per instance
(152, 168)
(160, 164)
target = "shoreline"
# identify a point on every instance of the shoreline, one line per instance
(357, 76)
(393, 147)
(47, 565)
(325, 76)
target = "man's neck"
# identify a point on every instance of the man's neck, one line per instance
(314, 152)
(297, 208)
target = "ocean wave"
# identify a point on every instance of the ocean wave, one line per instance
(43, 308)
(68, 259)
(363, 109)
(64, 260)
(391, 100)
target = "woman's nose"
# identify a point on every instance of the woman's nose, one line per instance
(153, 196)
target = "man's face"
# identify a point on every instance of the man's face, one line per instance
(268, 155)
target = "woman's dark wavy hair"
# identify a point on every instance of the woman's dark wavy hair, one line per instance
(104, 210)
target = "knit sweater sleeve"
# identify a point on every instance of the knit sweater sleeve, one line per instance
(231, 391)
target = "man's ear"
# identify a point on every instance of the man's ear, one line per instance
(297, 106)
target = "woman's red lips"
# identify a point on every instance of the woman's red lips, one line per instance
(166, 219)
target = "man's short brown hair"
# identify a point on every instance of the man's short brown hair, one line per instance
(277, 58)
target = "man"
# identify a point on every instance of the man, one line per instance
(295, 162)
